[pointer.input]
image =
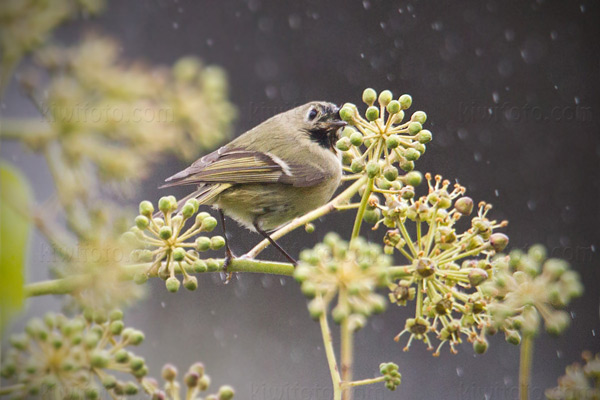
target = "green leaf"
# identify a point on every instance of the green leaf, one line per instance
(15, 224)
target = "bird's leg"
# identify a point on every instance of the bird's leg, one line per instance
(228, 253)
(274, 243)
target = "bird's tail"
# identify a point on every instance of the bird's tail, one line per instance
(204, 195)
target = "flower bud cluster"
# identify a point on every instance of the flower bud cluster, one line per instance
(195, 382)
(447, 265)
(579, 382)
(393, 378)
(528, 288)
(168, 245)
(382, 141)
(350, 272)
(76, 358)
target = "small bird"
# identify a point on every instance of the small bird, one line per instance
(279, 170)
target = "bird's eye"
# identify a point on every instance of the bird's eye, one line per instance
(312, 114)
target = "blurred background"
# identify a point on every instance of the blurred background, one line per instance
(512, 94)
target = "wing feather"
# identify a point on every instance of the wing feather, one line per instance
(239, 166)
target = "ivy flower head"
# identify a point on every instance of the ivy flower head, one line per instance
(350, 272)
(446, 264)
(59, 357)
(382, 141)
(528, 288)
(168, 246)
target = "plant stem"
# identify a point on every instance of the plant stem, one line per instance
(361, 210)
(363, 382)
(347, 346)
(71, 283)
(525, 366)
(330, 353)
(341, 198)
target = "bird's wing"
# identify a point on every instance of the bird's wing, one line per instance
(240, 166)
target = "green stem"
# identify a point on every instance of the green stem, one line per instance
(341, 198)
(71, 283)
(347, 348)
(330, 353)
(10, 389)
(525, 366)
(363, 382)
(361, 209)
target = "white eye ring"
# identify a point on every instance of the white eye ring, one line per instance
(312, 114)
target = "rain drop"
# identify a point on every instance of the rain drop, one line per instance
(553, 35)
(477, 156)
(576, 99)
(162, 304)
(175, 25)
(462, 133)
(496, 97)
(593, 332)
(531, 204)
(497, 193)
(437, 26)
(573, 314)
(366, 4)
(282, 281)
(210, 42)
(558, 354)
(294, 21)
(460, 372)
(509, 35)
(582, 8)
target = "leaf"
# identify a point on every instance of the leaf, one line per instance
(15, 198)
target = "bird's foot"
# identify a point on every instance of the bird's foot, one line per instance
(227, 276)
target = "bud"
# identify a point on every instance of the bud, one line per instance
(187, 211)
(394, 107)
(392, 141)
(499, 241)
(226, 393)
(165, 204)
(209, 224)
(390, 173)
(141, 222)
(419, 116)
(343, 144)
(372, 113)
(405, 101)
(356, 139)
(309, 228)
(217, 242)
(464, 205)
(414, 127)
(372, 169)
(480, 345)
(203, 243)
(172, 284)
(369, 95)
(411, 154)
(190, 283)
(169, 372)
(179, 254)
(424, 136)
(347, 113)
(477, 276)
(165, 232)
(385, 98)
(146, 209)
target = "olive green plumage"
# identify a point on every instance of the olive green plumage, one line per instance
(278, 170)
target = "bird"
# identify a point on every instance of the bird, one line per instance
(281, 169)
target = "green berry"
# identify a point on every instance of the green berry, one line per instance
(405, 101)
(308, 289)
(165, 232)
(165, 204)
(390, 173)
(203, 243)
(499, 241)
(385, 98)
(394, 107)
(357, 166)
(146, 208)
(225, 393)
(137, 363)
(347, 114)
(414, 127)
(141, 222)
(411, 154)
(348, 131)
(413, 178)
(309, 228)
(356, 139)
(209, 224)
(217, 242)
(116, 327)
(172, 284)
(369, 95)
(199, 266)
(372, 216)
(419, 116)
(407, 166)
(187, 211)
(100, 359)
(179, 254)
(464, 205)
(424, 136)
(372, 113)
(343, 144)
(392, 141)
(121, 356)
(190, 283)
(373, 169)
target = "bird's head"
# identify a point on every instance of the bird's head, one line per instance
(321, 122)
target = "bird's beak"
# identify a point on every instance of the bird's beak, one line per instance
(337, 121)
